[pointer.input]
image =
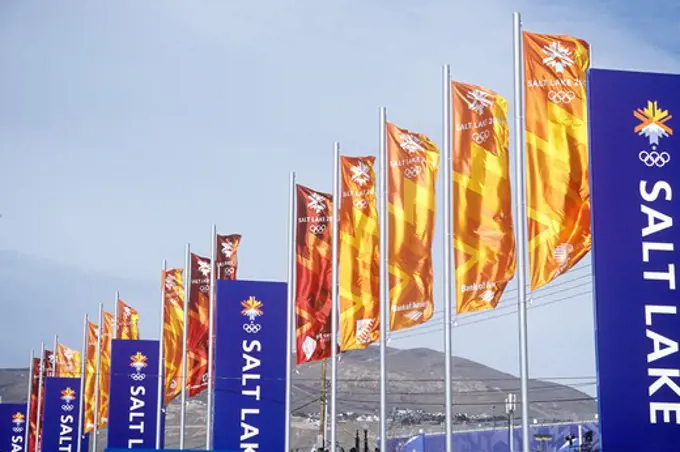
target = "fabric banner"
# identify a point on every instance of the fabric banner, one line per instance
(635, 178)
(250, 373)
(173, 330)
(134, 394)
(313, 275)
(90, 375)
(33, 413)
(483, 238)
(358, 255)
(227, 256)
(13, 427)
(558, 197)
(199, 306)
(105, 369)
(69, 363)
(412, 174)
(60, 427)
(127, 322)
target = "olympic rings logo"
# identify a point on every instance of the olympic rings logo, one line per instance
(138, 377)
(480, 137)
(317, 229)
(252, 328)
(229, 271)
(204, 288)
(360, 203)
(67, 408)
(412, 172)
(18, 429)
(653, 158)
(561, 97)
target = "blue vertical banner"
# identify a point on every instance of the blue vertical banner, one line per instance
(12, 427)
(635, 194)
(134, 394)
(60, 419)
(250, 366)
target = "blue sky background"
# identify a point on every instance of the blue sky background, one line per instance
(128, 128)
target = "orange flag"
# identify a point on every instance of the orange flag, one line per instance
(313, 275)
(227, 256)
(105, 369)
(173, 330)
(558, 195)
(128, 322)
(414, 163)
(199, 305)
(33, 421)
(68, 362)
(358, 254)
(90, 375)
(483, 239)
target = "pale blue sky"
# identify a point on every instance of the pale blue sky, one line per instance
(127, 128)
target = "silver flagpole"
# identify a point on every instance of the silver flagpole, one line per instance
(521, 232)
(116, 322)
(334, 297)
(448, 250)
(384, 278)
(28, 399)
(211, 342)
(55, 358)
(40, 393)
(290, 311)
(161, 362)
(81, 399)
(185, 336)
(97, 377)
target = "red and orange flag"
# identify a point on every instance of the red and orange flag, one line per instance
(358, 255)
(199, 306)
(227, 256)
(173, 331)
(483, 238)
(105, 369)
(558, 195)
(33, 418)
(128, 322)
(412, 174)
(68, 362)
(313, 275)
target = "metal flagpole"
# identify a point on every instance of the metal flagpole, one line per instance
(55, 356)
(97, 376)
(116, 322)
(521, 231)
(384, 279)
(335, 293)
(40, 393)
(211, 342)
(448, 250)
(81, 399)
(28, 399)
(290, 311)
(161, 362)
(185, 336)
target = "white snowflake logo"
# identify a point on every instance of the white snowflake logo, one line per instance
(68, 354)
(227, 249)
(479, 100)
(169, 282)
(127, 312)
(204, 267)
(559, 57)
(410, 144)
(360, 173)
(317, 202)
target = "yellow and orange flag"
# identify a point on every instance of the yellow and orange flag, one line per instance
(358, 255)
(412, 173)
(68, 362)
(90, 375)
(483, 238)
(558, 196)
(173, 330)
(127, 322)
(199, 312)
(105, 369)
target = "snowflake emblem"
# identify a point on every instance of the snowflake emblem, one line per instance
(479, 100)
(204, 267)
(227, 249)
(317, 203)
(360, 173)
(127, 312)
(169, 282)
(653, 122)
(558, 57)
(252, 307)
(68, 354)
(410, 144)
